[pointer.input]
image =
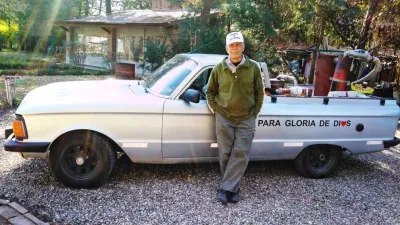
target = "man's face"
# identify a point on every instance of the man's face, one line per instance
(235, 49)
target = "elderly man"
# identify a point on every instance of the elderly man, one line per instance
(235, 94)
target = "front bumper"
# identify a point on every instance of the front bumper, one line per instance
(11, 145)
(391, 143)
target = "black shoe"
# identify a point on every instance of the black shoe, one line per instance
(223, 196)
(234, 197)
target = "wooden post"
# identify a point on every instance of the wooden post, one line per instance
(112, 45)
(70, 40)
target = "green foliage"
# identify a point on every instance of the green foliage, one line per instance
(343, 20)
(79, 52)
(52, 71)
(36, 64)
(21, 60)
(264, 23)
(16, 101)
(199, 32)
(387, 33)
(156, 52)
(5, 105)
(196, 37)
(135, 4)
(257, 18)
(10, 9)
(67, 69)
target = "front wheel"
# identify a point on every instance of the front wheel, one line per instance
(82, 159)
(318, 161)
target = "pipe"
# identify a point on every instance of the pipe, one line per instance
(361, 54)
(282, 76)
(371, 74)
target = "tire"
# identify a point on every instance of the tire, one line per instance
(82, 159)
(318, 161)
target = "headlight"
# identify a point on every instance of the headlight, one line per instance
(19, 128)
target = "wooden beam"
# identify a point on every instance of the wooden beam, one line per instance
(64, 28)
(106, 30)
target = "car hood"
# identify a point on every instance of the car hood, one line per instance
(105, 96)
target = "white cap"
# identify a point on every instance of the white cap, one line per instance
(234, 37)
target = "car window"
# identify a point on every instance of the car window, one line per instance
(169, 76)
(201, 81)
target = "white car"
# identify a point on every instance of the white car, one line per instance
(80, 126)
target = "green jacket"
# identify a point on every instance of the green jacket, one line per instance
(236, 96)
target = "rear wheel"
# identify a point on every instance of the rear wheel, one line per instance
(82, 159)
(318, 161)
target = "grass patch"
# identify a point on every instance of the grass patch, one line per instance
(22, 63)
(22, 60)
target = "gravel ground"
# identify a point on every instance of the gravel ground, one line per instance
(364, 190)
(4, 221)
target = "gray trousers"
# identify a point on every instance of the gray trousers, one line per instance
(234, 143)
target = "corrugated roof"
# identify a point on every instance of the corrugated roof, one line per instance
(156, 17)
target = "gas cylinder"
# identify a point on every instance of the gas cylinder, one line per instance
(342, 70)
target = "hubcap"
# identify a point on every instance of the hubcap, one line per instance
(321, 158)
(79, 160)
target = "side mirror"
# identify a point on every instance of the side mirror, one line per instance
(191, 95)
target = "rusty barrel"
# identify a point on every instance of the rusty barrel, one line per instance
(125, 71)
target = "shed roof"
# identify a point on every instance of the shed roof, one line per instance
(138, 17)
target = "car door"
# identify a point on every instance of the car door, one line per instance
(189, 128)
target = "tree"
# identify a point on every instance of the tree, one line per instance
(368, 23)
(10, 9)
(156, 52)
(86, 7)
(387, 30)
(108, 7)
(101, 3)
(200, 31)
(135, 4)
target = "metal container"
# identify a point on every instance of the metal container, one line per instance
(125, 71)
(324, 68)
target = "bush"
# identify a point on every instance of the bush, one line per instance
(155, 53)
(4, 103)
(16, 102)
(69, 70)
(12, 63)
(80, 52)
(20, 60)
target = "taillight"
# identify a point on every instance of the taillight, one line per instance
(19, 128)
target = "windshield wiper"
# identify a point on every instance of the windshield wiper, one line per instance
(145, 86)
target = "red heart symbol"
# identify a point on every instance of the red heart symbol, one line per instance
(343, 123)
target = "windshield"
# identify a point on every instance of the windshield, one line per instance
(167, 78)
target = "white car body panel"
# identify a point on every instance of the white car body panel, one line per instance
(151, 128)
